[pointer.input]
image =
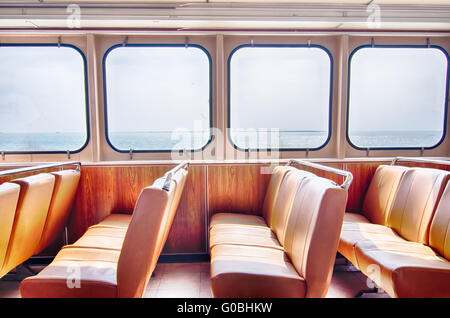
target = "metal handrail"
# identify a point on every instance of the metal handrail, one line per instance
(169, 174)
(348, 175)
(39, 167)
(420, 160)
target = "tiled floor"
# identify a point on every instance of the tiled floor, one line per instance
(191, 280)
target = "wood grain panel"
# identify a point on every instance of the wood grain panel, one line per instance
(188, 231)
(237, 188)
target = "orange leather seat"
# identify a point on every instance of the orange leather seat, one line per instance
(304, 267)
(9, 196)
(247, 271)
(104, 270)
(117, 220)
(65, 189)
(255, 231)
(418, 268)
(31, 213)
(376, 207)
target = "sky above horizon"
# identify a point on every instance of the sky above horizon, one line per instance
(42, 89)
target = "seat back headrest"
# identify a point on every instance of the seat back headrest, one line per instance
(32, 208)
(313, 231)
(66, 185)
(381, 192)
(415, 202)
(440, 226)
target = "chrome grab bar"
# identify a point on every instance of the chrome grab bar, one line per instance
(39, 167)
(348, 175)
(169, 174)
(420, 160)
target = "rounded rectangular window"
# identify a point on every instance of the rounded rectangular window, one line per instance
(43, 104)
(397, 97)
(279, 97)
(158, 97)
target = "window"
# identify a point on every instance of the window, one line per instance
(279, 97)
(158, 97)
(397, 97)
(43, 104)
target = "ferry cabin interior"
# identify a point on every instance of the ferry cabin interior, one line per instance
(236, 149)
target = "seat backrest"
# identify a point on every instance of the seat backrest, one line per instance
(381, 193)
(283, 202)
(313, 231)
(276, 178)
(31, 213)
(9, 196)
(440, 226)
(146, 235)
(180, 180)
(66, 185)
(415, 202)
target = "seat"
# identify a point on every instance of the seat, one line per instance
(254, 231)
(246, 220)
(408, 268)
(251, 271)
(31, 213)
(9, 196)
(94, 267)
(376, 207)
(110, 233)
(66, 185)
(304, 267)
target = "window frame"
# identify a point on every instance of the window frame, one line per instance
(210, 94)
(86, 99)
(414, 46)
(330, 107)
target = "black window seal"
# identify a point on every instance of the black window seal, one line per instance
(157, 45)
(88, 135)
(444, 131)
(229, 95)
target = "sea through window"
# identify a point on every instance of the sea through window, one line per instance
(43, 99)
(158, 97)
(279, 97)
(397, 97)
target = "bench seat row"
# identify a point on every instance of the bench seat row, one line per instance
(116, 257)
(33, 213)
(401, 238)
(289, 250)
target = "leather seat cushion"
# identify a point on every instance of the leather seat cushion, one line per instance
(250, 236)
(355, 218)
(248, 271)
(353, 232)
(94, 269)
(121, 220)
(405, 269)
(102, 238)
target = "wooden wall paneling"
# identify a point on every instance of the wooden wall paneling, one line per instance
(237, 188)
(188, 233)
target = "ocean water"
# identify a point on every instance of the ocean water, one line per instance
(167, 140)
